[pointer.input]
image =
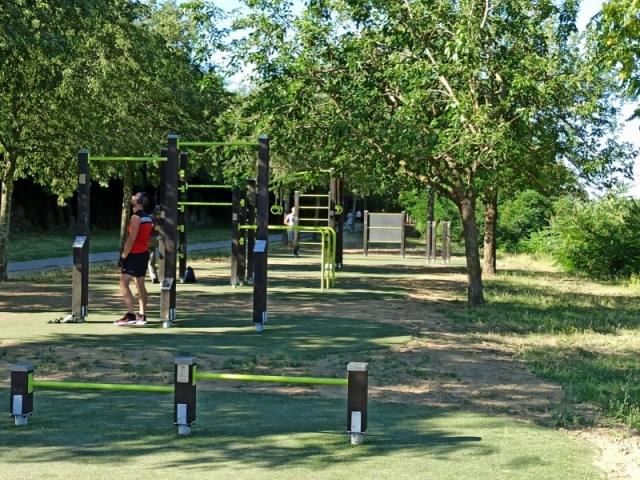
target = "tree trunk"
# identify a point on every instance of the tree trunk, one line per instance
(5, 213)
(475, 296)
(127, 185)
(490, 233)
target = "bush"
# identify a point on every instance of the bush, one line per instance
(599, 239)
(520, 218)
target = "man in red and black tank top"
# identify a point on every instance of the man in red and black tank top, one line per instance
(134, 259)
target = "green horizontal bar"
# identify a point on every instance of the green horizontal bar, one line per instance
(302, 228)
(102, 386)
(210, 204)
(208, 186)
(314, 195)
(384, 241)
(128, 159)
(271, 378)
(218, 144)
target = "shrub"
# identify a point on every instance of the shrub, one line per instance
(598, 238)
(520, 218)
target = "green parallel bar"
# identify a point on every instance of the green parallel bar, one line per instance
(271, 378)
(128, 159)
(218, 144)
(102, 386)
(208, 186)
(209, 204)
(314, 195)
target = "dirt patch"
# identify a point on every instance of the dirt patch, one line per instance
(440, 366)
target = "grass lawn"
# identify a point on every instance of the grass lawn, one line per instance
(248, 436)
(39, 245)
(449, 385)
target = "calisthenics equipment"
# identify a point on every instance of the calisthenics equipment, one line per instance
(432, 244)
(186, 376)
(327, 250)
(333, 215)
(238, 215)
(80, 246)
(260, 251)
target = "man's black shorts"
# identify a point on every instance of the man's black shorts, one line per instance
(136, 264)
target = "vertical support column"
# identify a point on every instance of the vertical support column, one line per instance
(80, 281)
(251, 221)
(434, 245)
(365, 234)
(357, 393)
(235, 245)
(296, 233)
(340, 220)
(428, 243)
(21, 396)
(333, 196)
(182, 216)
(161, 202)
(242, 234)
(261, 249)
(184, 396)
(403, 233)
(168, 287)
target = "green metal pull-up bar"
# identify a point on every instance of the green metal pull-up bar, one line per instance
(127, 159)
(218, 144)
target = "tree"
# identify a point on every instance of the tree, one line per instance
(614, 35)
(461, 96)
(36, 46)
(112, 76)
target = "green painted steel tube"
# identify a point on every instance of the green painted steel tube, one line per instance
(101, 386)
(208, 186)
(209, 204)
(271, 378)
(218, 144)
(328, 249)
(127, 159)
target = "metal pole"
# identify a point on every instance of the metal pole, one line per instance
(365, 235)
(168, 287)
(235, 245)
(80, 281)
(340, 232)
(182, 217)
(357, 392)
(261, 250)
(251, 220)
(184, 396)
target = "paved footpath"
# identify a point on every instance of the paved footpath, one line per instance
(45, 265)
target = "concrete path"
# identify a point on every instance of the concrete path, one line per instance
(48, 264)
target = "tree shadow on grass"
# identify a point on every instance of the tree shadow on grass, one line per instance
(117, 434)
(530, 308)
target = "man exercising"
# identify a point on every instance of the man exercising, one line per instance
(134, 260)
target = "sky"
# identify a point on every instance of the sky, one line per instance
(588, 8)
